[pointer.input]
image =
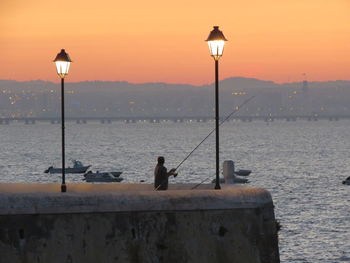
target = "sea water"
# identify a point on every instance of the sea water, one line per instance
(301, 163)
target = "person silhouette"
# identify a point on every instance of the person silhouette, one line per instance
(161, 175)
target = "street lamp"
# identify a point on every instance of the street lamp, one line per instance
(62, 62)
(216, 41)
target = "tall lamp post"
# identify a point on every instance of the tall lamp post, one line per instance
(216, 41)
(62, 62)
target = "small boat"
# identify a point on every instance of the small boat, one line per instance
(242, 172)
(347, 181)
(103, 177)
(230, 175)
(116, 174)
(78, 168)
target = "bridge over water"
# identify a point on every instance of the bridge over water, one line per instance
(134, 119)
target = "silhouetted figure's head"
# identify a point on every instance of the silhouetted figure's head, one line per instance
(161, 160)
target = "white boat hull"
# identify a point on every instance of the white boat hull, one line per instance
(69, 170)
(105, 177)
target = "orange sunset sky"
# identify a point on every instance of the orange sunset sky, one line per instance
(163, 41)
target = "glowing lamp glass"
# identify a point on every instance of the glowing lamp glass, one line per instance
(216, 48)
(62, 62)
(216, 41)
(62, 68)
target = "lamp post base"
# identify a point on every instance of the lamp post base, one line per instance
(63, 188)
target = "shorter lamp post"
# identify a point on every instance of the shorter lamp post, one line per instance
(216, 41)
(62, 62)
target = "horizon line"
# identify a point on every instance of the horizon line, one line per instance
(176, 83)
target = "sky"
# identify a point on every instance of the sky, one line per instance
(164, 41)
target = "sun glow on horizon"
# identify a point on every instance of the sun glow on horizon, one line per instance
(159, 41)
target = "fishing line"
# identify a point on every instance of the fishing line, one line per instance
(194, 187)
(233, 112)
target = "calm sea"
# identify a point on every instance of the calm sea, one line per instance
(301, 163)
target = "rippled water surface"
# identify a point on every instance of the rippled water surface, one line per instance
(301, 163)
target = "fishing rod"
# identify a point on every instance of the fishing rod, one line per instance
(233, 112)
(194, 187)
(227, 117)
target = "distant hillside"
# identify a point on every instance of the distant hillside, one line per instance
(105, 98)
(229, 83)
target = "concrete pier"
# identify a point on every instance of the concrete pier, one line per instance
(133, 223)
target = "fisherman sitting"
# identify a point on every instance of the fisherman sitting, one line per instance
(161, 175)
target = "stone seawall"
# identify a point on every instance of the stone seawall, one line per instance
(132, 223)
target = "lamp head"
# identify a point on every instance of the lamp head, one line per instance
(216, 41)
(62, 62)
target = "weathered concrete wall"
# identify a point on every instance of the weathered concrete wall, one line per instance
(131, 223)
